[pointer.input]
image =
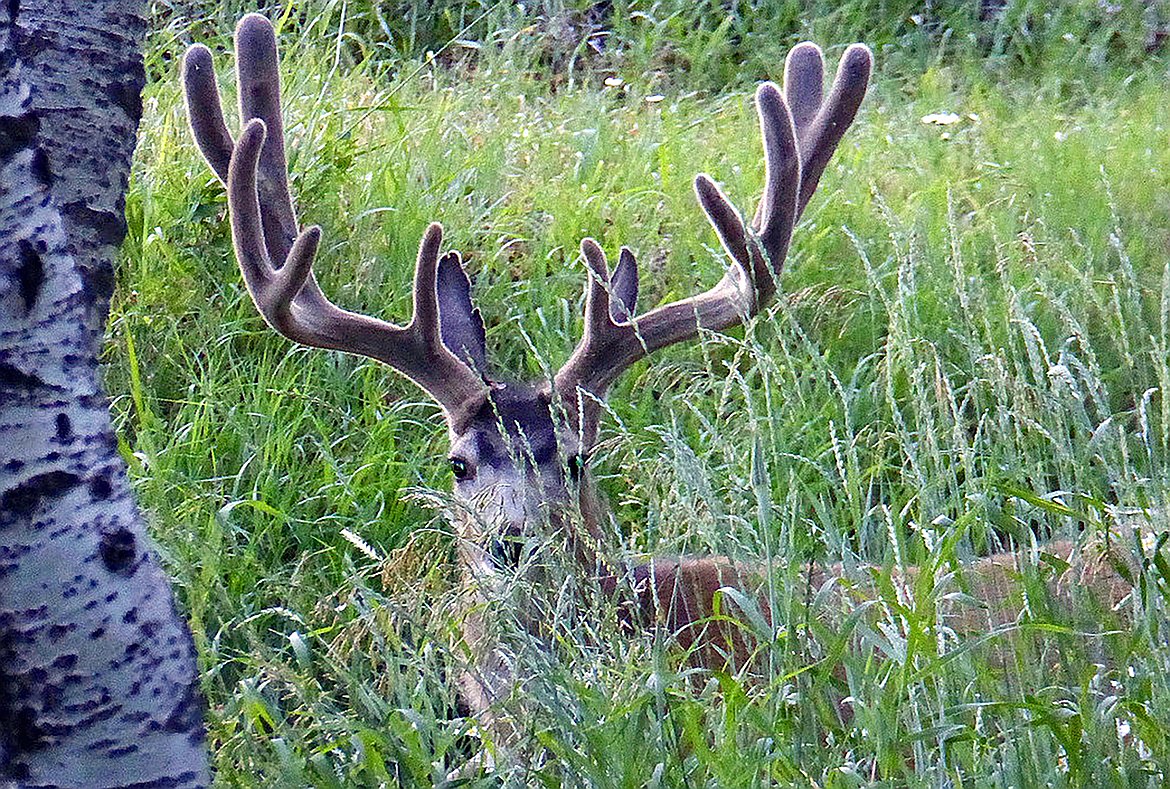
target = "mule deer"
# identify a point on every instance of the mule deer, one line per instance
(519, 451)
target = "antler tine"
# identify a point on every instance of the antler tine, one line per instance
(245, 217)
(603, 334)
(205, 112)
(820, 126)
(776, 215)
(277, 262)
(725, 218)
(258, 77)
(804, 82)
(597, 303)
(609, 345)
(800, 133)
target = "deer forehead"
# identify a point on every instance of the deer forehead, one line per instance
(515, 423)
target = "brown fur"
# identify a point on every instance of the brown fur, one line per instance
(677, 597)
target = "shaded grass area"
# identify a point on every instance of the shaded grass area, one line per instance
(711, 45)
(971, 357)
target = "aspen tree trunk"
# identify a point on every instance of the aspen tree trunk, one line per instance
(98, 681)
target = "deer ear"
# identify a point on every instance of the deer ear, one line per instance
(623, 288)
(460, 324)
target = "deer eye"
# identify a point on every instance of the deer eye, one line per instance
(576, 466)
(461, 469)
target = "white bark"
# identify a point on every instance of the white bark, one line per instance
(98, 683)
(83, 59)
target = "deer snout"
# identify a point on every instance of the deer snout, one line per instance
(507, 548)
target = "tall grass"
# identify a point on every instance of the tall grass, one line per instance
(971, 357)
(715, 44)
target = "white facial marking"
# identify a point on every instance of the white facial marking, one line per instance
(510, 477)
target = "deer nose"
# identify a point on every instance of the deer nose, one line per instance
(507, 549)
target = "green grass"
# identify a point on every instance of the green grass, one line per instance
(972, 356)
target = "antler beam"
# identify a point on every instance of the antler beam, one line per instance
(801, 131)
(277, 260)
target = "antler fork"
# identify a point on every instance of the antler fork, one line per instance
(801, 131)
(277, 260)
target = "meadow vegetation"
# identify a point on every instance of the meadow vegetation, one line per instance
(973, 355)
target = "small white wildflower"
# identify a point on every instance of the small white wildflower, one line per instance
(360, 544)
(940, 119)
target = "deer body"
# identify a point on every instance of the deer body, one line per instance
(519, 451)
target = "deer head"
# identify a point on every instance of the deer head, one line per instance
(518, 450)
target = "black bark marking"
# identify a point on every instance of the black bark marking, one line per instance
(30, 275)
(65, 662)
(98, 285)
(98, 745)
(27, 735)
(41, 169)
(109, 227)
(13, 10)
(33, 42)
(167, 782)
(127, 94)
(21, 501)
(17, 132)
(18, 771)
(52, 697)
(187, 716)
(105, 711)
(64, 427)
(14, 378)
(118, 549)
(105, 228)
(100, 488)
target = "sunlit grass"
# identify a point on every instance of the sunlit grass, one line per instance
(971, 357)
